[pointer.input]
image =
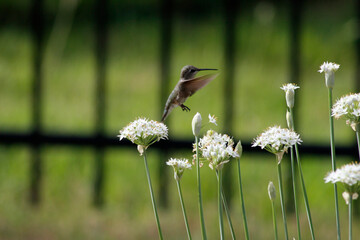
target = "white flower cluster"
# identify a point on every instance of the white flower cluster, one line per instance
(277, 140)
(179, 166)
(144, 132)
(289, 86)
(348, 174)
(290, 93)
(328, 67)
(349, 108)
(217, 148)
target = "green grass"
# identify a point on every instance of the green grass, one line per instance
(133, 75)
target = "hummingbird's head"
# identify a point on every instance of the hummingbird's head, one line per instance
(189, 72)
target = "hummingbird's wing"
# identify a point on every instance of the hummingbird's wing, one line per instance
(194, 84)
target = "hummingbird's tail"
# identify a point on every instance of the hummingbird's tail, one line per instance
(166, 113)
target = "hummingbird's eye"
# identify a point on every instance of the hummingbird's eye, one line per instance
(192, 70)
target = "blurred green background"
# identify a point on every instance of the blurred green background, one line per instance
(329, 31)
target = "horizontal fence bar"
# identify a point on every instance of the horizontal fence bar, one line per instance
(17, 138)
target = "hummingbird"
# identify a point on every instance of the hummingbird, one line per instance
(186, 87)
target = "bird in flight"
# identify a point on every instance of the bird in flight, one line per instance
(186, 87)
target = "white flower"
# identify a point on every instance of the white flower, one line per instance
(348, 174)
(144, 132)
(348, 107)
(212, 119)
(179, 166)
(290, 93)
(196, 124)
(217, 148)
(329, 69)
(277, 140)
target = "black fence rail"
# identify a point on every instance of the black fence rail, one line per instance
(230, 10)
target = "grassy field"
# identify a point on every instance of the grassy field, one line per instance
(133, 90)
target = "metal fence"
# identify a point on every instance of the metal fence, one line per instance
(231, 9)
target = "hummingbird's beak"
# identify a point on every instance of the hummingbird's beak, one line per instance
(202, 69)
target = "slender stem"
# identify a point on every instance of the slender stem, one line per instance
(350, 216)
(183, 209)
(333, 163)
(221, 225)
(282, 201)
(306, 201)
(358, 141)
(274, 219)
(152, 196)
(203, 230)
(242, 203)
(294, 188)
(227, 211)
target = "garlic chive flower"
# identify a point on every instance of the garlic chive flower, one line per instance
(290, 93)
(212, 119)
(217, 149)
(144, 132)
(179, 166)
(277, 140)
(348, 107)
(349, 176)
(329, 69)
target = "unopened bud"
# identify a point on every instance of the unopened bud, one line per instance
(290, 98)
(239, 149)
(271, 191)
(141, 149)
(288, 120)
(330, 79)
(196, 124)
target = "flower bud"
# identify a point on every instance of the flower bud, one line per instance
(271, 191)
(346, 197)
(290, 98)
(329, 79)
(288, 120)
(239, 149)
(141, 149)
(196, 124)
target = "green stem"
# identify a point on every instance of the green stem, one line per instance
(203, 230)
(242, 203)
(183, 209)
(282, 200)
(221, 225)
(333, 163)
(358, 141)
(274, 219)
(227, 211)
(306, 201)
(350, 216)
(294, 189)
(152, 196)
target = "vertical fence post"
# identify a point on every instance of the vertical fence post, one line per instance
(230, 13)
(166, 12)
(294, 65)
(37, 27)
(101, 32)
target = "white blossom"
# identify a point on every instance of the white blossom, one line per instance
(329, 69)
(277, 140)
(144, 132)
(212, 119)
(348, 174)
(217, 148)
(179, 166)
(348, 107)
(290, 93)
